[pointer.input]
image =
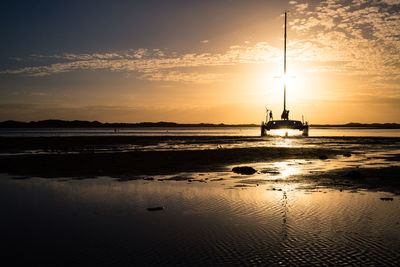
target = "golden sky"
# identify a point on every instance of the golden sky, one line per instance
(214, 61)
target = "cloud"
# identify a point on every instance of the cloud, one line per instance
(153, 64)
(37, 93)
(175, 76)
(363, 35)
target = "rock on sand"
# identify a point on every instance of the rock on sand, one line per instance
(155, 208)
(244, 170)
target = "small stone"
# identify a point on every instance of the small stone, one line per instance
(387, 198)
(155, 208)
(242, 185)
(244, 170)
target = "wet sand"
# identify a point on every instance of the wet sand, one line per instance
(378, 179)
(148, 162)
(154, 201)
(103, 222)
(123, 143)
(138, 157)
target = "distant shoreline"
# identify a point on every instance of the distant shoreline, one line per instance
(97, 124)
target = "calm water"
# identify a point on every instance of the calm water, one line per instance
(367, 143)
(214, 131)
(219, 218)
(103, 221)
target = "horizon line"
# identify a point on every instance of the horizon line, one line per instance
(184, 123)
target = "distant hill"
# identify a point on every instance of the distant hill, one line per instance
(97, 124)
(361, 125)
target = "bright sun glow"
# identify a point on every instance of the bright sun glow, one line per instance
(285, 79)
(285, 132)
(291, 79)
(287, 168)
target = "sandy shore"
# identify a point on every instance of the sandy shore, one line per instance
(377, 179)
(83, 142)
(148, 162)
(313, 201)
(58, 161)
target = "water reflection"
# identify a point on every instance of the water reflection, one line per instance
(102, 221)
(179, 143)
(190, 131)
(285, 132)
(286, 169)
(284, 216)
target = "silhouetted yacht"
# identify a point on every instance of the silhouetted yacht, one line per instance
(284, 122)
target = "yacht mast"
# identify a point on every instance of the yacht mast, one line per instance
(284, 69)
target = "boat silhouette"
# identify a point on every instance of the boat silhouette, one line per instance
(284, 122)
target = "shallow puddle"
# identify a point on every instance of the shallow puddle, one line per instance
(104, 221)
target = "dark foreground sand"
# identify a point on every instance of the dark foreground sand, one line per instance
(301, 206)
(148, 162)
(84, 163)
(377, 179)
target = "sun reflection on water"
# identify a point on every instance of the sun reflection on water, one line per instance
(287, 168)
(289, 221)
(285, 132)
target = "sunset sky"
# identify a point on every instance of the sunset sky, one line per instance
(214, 61)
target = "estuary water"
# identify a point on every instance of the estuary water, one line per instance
(105, 222)
(192, 131)
(214, 217)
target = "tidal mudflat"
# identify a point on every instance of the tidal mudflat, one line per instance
(160, 201)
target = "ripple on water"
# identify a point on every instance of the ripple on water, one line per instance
(201, 224)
